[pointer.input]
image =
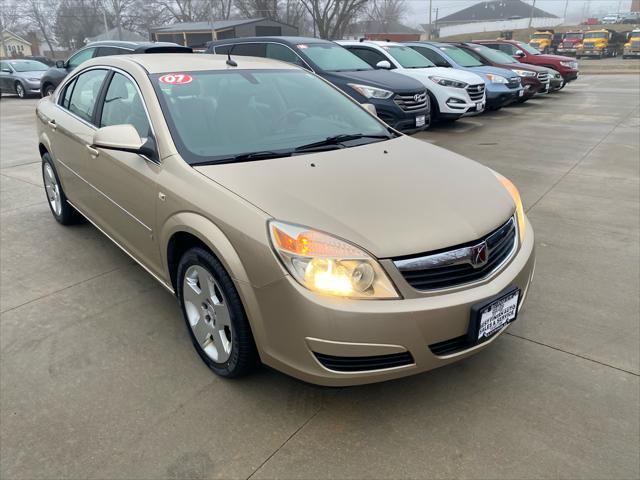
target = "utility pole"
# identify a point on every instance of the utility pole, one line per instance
(564, 15)
(104, 17)
(533, 7)
(430, 9)
(436, 24)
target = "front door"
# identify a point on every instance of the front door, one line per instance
(125, 186)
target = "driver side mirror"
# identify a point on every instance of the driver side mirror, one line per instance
(519, 54)
(384, 65)
(124, 138)
(6, 70)
(60, 64)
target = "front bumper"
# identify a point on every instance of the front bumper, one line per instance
(566, 51)
(631, 53)
(500, 97)
(296, 324)
(401, 120)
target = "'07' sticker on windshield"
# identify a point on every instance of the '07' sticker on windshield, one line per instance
(176, 78)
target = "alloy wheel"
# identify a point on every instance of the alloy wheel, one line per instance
(20, 90)
(208, 313)
(53, 190)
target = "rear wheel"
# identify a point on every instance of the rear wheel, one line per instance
(48, 90)
(61, 210)
(20, 91)
(212, 309)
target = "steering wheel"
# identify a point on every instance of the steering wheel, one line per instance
(287, 116)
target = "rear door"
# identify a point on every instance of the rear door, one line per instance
(74, 128)
(125, 184)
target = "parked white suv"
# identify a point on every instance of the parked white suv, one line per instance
(454, 93)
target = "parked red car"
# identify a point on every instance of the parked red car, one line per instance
(534, 79)
(567, 66)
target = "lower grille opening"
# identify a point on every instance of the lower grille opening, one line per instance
(361, 364)
(451, 346)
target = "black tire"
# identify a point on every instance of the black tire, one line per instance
(20, 91)
(67, 215)
(48, 90)
(243, 357)
(434, 110)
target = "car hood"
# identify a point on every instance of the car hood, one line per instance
(526, 66)
(494, 70)
(452, 73)
(558, 58)
(37, 74)
(378, 78)
(392, 198)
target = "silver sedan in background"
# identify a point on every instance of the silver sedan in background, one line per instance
(21, 76)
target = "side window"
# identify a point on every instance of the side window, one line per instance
(80, 57)
(507, 48)
(106, 51)
(370, 56)
(66, 97)
(4, 66)
(494, 46)
(437, 59)
(249, 49)
(222, 49)
(123, 105)
(85, 93)
(281, 52)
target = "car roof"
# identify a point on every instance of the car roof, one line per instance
(138, 46)
(285, 40)
(189, 62)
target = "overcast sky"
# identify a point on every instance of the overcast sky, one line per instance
(418, 9)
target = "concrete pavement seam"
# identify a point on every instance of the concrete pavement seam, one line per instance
(20, 179)
(575, 165)
(285, 442)
(573, 354)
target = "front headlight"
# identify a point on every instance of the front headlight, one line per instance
(496, 78)
(569, 64)
(515, 195)
(371, 92)
(327, 265)
(523, 73)
(448, 82)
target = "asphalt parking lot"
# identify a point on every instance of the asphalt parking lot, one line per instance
(99, 379)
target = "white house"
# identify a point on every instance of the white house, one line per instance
(12, 45)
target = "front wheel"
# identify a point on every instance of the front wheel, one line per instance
(48, 90)
(20, 91)
(212, 309)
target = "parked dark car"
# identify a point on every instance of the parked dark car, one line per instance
(21, 76)
(534, 79)
(400, 101)
(52, 78)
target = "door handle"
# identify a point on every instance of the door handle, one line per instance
(52, 124)
(93, 151)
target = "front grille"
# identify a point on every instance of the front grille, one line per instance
(411, 102)
(476, 92)
(543, 77)
(568, 45)
(635, 44)
(460, 265)
(361, 364)
(588, 45)
(451, 346)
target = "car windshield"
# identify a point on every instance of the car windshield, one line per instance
(28, 66)
(333, 58)
(492, 55)
(573, 35)
(461, 57)
(596, 35)
(217, 116)
(528, 48)
(407, 57)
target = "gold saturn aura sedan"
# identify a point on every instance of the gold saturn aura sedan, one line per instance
(295, 228)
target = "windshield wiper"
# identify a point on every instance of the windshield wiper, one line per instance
(246, 157)
(337, 140)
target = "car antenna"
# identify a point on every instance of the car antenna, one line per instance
(231, 62)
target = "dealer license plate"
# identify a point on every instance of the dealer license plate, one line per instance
(479, 106)
(497, 314)
(421, 120)
(521, 93)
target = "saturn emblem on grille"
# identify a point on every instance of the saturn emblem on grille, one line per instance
(479, 255)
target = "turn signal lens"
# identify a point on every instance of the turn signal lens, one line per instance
(325, 264)
(515, 195)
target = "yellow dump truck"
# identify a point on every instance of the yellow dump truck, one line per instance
(600, 43)
(632, 47)
(542, 40)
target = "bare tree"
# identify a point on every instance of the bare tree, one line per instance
(41, 16)
(331, 17)
(117, 9)
(76, 20)
(385, 11)
(286, 11)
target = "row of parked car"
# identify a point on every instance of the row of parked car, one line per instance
(411, 85)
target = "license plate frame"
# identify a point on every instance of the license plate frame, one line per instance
(421, 121)
(477, 311)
